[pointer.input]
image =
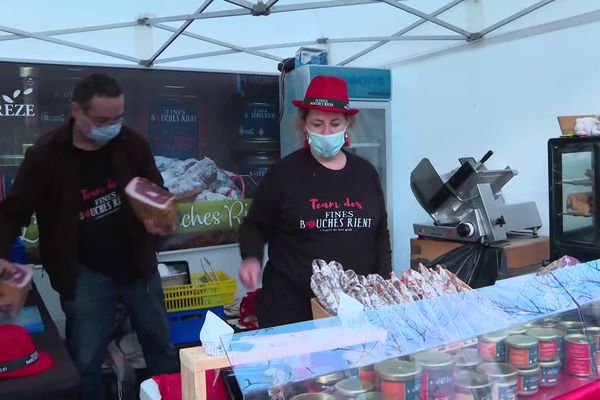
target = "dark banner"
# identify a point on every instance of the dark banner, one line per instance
(173, 129)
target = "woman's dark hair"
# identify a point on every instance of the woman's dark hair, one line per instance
(95, 85)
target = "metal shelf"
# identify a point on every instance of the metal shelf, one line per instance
(575, 215)
(11, 160)
(577, 182)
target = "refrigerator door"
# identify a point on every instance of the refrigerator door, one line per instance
(573, 198)
(368, 136)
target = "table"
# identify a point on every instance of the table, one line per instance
(524, 253)
(59, 382)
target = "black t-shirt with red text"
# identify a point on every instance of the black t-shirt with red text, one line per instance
(103, 242)
(306, 211)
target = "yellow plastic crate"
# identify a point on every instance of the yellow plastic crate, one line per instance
(200, 294)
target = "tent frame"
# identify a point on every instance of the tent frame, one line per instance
(262, 9)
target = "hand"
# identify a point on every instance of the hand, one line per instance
(6, 267)
(153, 228)
(250, 272)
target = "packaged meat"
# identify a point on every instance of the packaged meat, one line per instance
(150, 201)
(14, 286)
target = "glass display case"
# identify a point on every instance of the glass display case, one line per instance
(532, 336)
(573, 206)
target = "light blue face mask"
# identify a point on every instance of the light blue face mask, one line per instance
(326, 146)
(103, 134)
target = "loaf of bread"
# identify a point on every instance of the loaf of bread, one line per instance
(580, 203)
(150, 201)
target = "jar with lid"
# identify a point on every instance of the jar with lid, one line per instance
(549, 340)
(399, 378)
(437, 378)
(528, 381)
(549, 373)
(471, 385)
(503, 378)
(367, 373)
(522, 350)
(326, 383)
(349, 389)
(492, 346)
(466, 359)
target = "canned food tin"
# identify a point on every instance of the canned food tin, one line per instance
(367, 373)
(528, 381)
(548, 342)
(549, 373)
(437, 379)
(503, 378)
(549, 322)
(579, 346)
(467, 359)
(492, 347)
(517, 330)
(522, 350)
(579, 366)
(349, 388)
(469, 385)
(313, 396)
(399, 378)
(594, 333)
(571, 327)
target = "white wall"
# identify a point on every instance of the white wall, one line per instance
(502, 95)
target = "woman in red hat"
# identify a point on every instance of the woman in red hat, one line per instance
(318, 202)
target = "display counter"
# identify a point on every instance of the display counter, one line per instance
(531, 336)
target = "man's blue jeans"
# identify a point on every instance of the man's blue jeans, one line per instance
(90, 318)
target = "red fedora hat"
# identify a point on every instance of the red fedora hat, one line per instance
(326, 93)
(18, 356)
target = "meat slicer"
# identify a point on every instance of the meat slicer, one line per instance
(468, 206)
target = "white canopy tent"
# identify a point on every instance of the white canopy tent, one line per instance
(457, 60)
(253, 36)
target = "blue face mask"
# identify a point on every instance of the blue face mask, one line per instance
(326, 146)
(103, 134)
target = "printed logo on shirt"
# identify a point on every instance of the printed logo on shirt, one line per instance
(335, 216)
(100, 201)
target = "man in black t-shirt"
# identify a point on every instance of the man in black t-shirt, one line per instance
(96, 251)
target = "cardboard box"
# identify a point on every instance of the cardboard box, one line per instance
(567, 123)
(521, 252)
(307, 55)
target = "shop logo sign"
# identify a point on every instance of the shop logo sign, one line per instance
(12, 107)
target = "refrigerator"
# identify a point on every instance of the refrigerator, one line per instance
(573, 182)
(369, 90)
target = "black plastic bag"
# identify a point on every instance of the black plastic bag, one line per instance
(476, 264)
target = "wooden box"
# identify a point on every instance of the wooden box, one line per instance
(319, 312)
(194, 364)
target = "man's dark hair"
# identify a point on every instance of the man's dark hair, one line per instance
(95, 85)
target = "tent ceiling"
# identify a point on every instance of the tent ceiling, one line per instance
(245, 35)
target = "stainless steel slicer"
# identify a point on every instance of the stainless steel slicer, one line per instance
(468, 206)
